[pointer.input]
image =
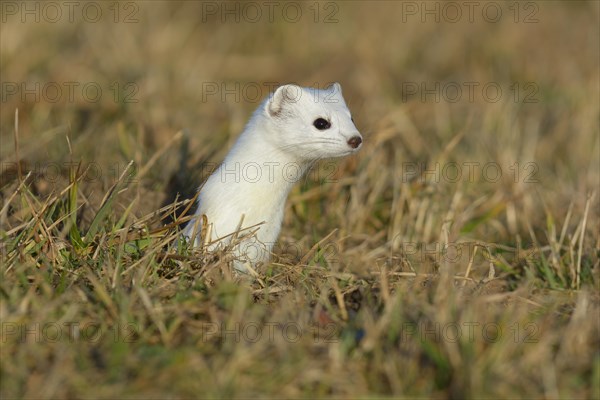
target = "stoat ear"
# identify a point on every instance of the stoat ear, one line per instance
(335, 88)
(283, 96)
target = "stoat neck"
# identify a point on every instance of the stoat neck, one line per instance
(259, 166)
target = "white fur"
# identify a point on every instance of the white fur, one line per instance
(277, 146)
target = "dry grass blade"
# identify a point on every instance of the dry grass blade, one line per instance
(107, 202)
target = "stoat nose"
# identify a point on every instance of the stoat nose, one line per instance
(354, 141)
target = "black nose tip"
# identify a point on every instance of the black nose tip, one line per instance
(354, 141)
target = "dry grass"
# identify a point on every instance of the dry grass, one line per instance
(389, 280)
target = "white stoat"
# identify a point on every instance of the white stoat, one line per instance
(290, 130)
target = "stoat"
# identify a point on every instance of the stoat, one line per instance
(291, 129)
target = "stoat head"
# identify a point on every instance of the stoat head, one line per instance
(311, 123)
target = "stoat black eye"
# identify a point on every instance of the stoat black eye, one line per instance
(352, 119)
(322, 124)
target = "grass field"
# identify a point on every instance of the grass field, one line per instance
(457, 255)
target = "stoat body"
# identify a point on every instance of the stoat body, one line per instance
(290, 130)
